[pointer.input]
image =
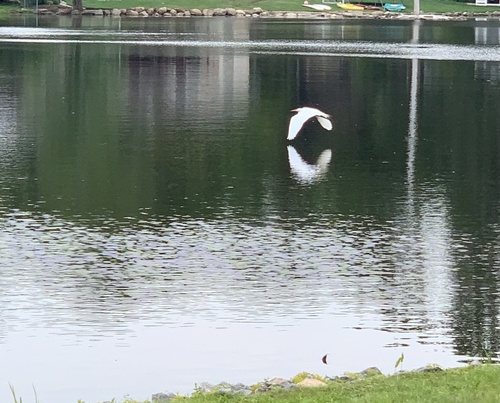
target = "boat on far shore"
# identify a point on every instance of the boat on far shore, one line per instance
(360, 6)
(350, 6)
(394, 7)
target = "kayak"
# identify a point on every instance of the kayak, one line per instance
(350, 7)
(319, 7)
(394, 7)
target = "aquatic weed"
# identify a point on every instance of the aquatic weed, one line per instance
(399, 362)
(20, 398)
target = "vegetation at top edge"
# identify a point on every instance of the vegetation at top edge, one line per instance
(426, 6)
(462, 385)
(7, 9)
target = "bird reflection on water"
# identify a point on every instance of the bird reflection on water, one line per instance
(304, 172)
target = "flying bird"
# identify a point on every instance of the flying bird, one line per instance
(303, 115)
(324, 359)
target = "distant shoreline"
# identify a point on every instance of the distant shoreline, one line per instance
(257, 12)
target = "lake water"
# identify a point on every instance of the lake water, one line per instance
(157, 230)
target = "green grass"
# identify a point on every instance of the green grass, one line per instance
(7, 9)
(428, 6)
(464, 385)
(269, 5)
(447, 6)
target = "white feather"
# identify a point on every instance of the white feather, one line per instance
(303, 115)
(326, 123)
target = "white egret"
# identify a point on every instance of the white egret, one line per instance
(304, 172)
(302, 116)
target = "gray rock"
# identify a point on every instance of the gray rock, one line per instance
(162, 397)
(224, 388)
(219, 12)
(275, 383)
(64, 11)
(343, 378)
(372, 371)
(242, 389)
(196, 12)
(132, 13)
(204, 387)
(430, 368)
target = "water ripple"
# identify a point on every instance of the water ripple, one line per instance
(299, 47)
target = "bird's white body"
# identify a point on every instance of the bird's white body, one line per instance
(303, 115)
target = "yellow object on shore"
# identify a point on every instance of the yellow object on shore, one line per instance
(350, 7)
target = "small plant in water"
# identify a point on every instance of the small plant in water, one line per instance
(20, 398)
(14, 394)
(486, 354)
(399, 362)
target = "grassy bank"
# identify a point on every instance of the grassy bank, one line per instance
(429, 6)
(7, 9)
(467, 385)
(426, 6)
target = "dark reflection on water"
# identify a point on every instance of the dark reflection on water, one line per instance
(152, 215)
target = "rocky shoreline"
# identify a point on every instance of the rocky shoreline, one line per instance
(302, 380)
(256, 12)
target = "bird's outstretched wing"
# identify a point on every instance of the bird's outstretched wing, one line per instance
(302, 116)
(296, 123)
(326, 123)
